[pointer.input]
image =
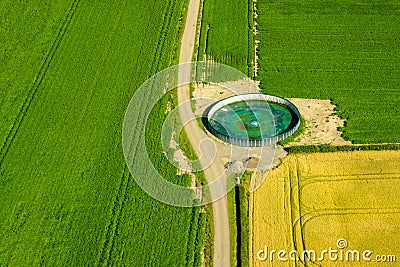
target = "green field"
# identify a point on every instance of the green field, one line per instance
(69, 69)
(226, 33)
(346, 51)
(27, 33)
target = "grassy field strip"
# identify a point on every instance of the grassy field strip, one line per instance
(190, 254)
(196, 231)
(350, 195)
(117, 206)
(38, 79)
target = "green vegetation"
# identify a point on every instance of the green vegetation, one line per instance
(67, 198)
(243, 196)
(346, 51)
(238, 202)
(196, 225)
(226, 34)
(30, 35)
(209, 237)
(232, 226)
(329, 148)
(205, 232)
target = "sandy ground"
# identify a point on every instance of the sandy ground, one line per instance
(321, 123)
(206, 94)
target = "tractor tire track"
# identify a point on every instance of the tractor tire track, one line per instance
(343, 211)
(121, 196)
(37, 82)
(295, 211)
(112, 228)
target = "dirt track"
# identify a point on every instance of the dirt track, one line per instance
(196, 135)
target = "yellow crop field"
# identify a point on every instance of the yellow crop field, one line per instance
(328, 209)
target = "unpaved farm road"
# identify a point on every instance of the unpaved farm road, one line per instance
(196, 135)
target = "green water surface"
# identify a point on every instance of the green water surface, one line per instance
(252, 119)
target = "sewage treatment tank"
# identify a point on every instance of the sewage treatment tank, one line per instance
(252, 119)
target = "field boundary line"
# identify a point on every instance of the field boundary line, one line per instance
(37, 82)
(320, 177)
(251, 229)
(198, 30)
(327, 148)
(298, 199)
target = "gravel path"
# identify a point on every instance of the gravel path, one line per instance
(196, 135)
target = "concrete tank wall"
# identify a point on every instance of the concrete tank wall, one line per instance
(248, 142)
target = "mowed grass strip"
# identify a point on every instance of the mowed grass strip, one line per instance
(346, 51)
(66, 197)
(322, 197)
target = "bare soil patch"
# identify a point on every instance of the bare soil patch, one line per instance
(207, 94)
(321, 123)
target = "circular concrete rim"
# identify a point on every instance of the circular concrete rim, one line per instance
(245, 97)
